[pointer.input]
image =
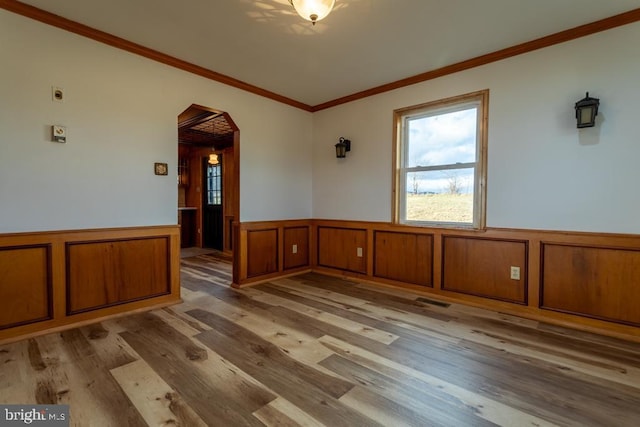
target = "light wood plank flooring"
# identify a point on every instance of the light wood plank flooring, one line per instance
(314, 350)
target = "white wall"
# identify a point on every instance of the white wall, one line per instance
(120, 112)
(543, 173)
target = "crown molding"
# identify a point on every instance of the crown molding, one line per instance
(120, 43)
(553, 39)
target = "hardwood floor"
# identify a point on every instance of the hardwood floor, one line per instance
(314, 350)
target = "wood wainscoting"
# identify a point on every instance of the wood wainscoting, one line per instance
(53, 280)
(390, 260)
(28, 298)
(600, 282)
(105, 273)
(342, 248)
(268, 249)
(482, 267)
(585, 280)
(262, 258)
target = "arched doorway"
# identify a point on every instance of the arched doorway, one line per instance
(208, 178)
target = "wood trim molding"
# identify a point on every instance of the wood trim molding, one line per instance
(117, 244)
(265, 267)
(120, 43)
(400, 141)
(485, 255)
(519, 49)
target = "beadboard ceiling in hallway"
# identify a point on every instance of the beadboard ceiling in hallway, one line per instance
(362, 44)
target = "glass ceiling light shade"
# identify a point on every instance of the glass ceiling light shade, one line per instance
(313, 10)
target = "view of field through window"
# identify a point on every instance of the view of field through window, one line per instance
(440, 207)
(440, 159)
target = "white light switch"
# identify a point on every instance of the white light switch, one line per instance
(359, 250)
(294, 249)
(515, 273)
(59, 133)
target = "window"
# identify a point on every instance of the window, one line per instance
(214, 184)
(440, 162)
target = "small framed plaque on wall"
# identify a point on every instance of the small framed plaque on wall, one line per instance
(161, 168)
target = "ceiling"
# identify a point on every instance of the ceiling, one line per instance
(360, 45)
(203, 126)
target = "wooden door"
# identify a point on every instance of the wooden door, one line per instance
(213, 220)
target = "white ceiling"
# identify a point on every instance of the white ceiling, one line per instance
(360, 45)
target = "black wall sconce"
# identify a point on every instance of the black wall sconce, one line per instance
(342, 147)
(586, 111)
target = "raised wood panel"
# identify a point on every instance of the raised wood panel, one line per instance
(405, 257)
(478, 278)
(25, 285)
(38, 267)
(262, 252)
(338, 248)
(482, 267)
(592, 281)
(298, 236)
(105, 273)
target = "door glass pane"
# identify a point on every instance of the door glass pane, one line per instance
(214, 184)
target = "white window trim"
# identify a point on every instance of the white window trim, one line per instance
(479, 99)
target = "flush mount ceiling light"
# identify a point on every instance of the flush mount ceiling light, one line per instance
(313, 10)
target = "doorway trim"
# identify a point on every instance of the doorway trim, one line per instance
(231, 169)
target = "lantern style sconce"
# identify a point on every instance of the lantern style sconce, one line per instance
(586, 111)
(342, 147)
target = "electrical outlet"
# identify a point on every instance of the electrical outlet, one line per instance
(515, 273)
(294, 249)
(359, 250)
